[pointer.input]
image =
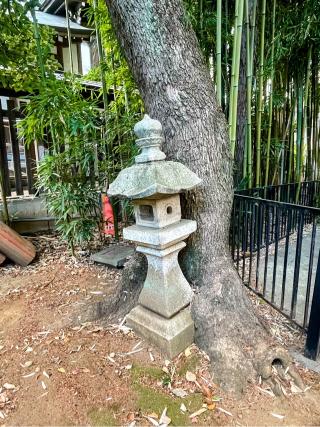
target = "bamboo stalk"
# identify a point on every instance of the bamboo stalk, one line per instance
(226, 62)
(219, 52)
(102, 61)
(260, 95)
(305, 108)
(315, 123)
(266, 181)
(291, 143)
(66, 5)
(281, 154)
(235, 73)
(249, 71)
(38, 44)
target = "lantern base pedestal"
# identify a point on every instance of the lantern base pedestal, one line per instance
(171, 336)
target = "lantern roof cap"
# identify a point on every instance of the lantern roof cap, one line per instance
(152, 176)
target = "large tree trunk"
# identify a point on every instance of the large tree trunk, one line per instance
(164, 56)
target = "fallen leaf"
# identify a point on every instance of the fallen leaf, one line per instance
(295, 389)
(187, 352)
(3, 397)
(183, 407)
(2, 415)
(9, 386)
(190, 376)
(269, 392)
(166, 370)
(206, 391)
(29, 375)
(211, 406)
(130, 416)
(43, 385)
(179, 392)
(225, 412)
(197, 413)
(46, 374)
(128, 367)
(153, 415)
(62, 370)
(27, 364)
(152, 421)
(280, 417)
(164, 419)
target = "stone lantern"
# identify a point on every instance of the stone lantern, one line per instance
(153, 184)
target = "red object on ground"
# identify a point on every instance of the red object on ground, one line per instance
(108, 217)
(16, 247)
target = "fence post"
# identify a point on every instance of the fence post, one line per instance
(3, 157)
(312, 347)
(15, 147)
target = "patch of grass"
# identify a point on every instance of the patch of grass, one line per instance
(188, 364)
(104, 416)
(150, 400)
(150, 372)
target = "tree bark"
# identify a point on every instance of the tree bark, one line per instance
(165, 59)
(241, 114)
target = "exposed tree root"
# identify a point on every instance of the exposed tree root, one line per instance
(239, 345)
(127, 293)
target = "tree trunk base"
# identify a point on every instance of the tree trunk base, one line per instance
(239, 345)
(226, 326)
(127, 293)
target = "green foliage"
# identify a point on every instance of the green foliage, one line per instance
(18, 56)
(125, 106)
(66, 174)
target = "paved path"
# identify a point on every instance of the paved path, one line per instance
(303, 276)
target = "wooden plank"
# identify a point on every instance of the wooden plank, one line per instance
(15, 247)
(3, 157)
(31, 165)
(2, 258)
(15, 148)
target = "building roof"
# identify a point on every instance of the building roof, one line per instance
(57, 7)
(60, 23)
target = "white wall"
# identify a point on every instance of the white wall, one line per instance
(66, 58)
(86, 57)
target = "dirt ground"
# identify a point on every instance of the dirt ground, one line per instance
(57, 369)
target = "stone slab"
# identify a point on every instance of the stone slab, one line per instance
(313, 365)
(114, 256)
(160, 238)
(171, 336)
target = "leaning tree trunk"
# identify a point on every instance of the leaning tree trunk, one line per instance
(165, 59)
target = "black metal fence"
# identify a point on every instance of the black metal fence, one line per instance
(275, 247)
